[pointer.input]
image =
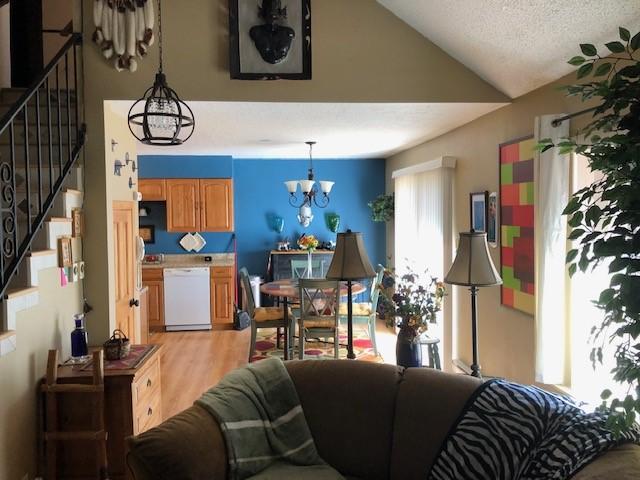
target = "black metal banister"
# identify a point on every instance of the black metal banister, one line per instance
(76, 38)
(23, 209)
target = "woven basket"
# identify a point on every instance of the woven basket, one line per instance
(117, 347)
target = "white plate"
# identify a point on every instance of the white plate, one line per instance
(188, 242)
(199, 243)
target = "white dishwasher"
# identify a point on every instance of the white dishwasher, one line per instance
(186, 299)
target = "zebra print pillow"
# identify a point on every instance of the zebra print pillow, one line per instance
(516, 432)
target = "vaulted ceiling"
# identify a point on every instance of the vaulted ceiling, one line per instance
(517, 45)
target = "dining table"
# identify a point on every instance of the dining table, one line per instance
(288, 291)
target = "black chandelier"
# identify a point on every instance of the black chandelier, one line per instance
(160, 117)
(309, 187)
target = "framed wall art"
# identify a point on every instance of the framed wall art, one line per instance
(147, 233)
(478, 211)
(65, 258)
(270, 39)
(492, 219)
(77, 222)
(517, 224)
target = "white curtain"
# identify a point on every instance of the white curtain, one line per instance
(423, 231)
(552, 183)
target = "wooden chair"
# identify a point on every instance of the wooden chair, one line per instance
(96, 434)
(319, 304)
(300, 269)
(261, 317)
(367, 311)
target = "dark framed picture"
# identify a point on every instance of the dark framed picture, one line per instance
(492, 219)
(64, 252)
(478, 207)
(270, 39)
(147, 233)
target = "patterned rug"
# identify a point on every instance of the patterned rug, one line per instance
(362, 347)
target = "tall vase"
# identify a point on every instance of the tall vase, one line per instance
(309, 265)
(408, 350)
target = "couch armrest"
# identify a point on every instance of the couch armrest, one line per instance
(619, 463)
(188, 446)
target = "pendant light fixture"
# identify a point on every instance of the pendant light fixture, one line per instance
(160, 117)
(309, 187)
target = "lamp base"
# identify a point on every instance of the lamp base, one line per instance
(475, 370)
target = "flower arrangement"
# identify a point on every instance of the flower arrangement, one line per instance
(382, 208)
(412, 298)
(308, 243)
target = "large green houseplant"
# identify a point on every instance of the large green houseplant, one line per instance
(605, 216)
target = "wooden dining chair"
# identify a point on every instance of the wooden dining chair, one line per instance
(367, 311)
(300, 269)
(319, 305)
(262, 317)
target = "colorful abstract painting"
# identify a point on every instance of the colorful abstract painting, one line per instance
(516, 230)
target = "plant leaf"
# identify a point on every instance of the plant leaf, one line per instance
(635, 41)
(588, 49)
(615, 47)
(572, 269)
(585, 70)
(602, 69)
(624, 34)
(577, 60)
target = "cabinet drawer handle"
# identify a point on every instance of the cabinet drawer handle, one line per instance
(148, 382)
(149, 412)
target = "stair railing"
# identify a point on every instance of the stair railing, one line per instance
(41, 138)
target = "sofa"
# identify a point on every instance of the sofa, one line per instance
(369, 421)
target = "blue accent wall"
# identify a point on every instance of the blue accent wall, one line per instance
(260, 194)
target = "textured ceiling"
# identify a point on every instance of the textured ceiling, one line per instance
(517, 45)
(342, 130)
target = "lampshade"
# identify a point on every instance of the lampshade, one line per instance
(306, 185)
(472, 265)
(292, 186)
(326, 186)
(350, 259)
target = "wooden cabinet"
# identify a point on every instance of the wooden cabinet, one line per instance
(152, 278)
(183, 199)
(199, 205)
(222, 295)
(133, 404)
(216, 205)
(144, 315)
(153, 189)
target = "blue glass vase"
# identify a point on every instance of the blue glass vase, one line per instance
(408, 348)
(79, 347)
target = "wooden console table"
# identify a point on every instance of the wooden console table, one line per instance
(132, 405)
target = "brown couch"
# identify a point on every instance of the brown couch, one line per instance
(369, 421)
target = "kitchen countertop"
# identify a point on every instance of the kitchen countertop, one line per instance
(193, 260)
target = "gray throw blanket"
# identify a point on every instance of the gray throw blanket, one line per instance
(517, 432)
(261, 419)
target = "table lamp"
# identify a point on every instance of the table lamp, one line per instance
(350, 262)
(473, 268)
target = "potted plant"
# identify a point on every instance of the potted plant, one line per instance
(382, 208)
(308, 243)
(411, 302)
(605, 216)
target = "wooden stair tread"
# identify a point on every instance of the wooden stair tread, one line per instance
(60, 219)
(19, 292)
(7, 334)
(72, 191)
(38, 253)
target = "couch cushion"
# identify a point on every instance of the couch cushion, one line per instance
(349, 407)
(620, 463)
(428, 404)
(287, 471)
(188, 446)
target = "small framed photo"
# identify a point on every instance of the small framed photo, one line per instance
(492, 219)
(147, 233)
(77, 222)
(478, 207)
(269, 40)
(65, 258)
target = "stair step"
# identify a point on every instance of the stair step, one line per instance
(40, 260)
(60, 219)
(9, 96)
(7, 342)
(16, 300)
(12, 293)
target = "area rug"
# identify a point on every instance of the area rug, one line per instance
(362, 347)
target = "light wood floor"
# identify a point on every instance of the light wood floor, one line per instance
(193, 362)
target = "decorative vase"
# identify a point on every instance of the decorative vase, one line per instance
(309, 265)
(408, 351)
(79, 349)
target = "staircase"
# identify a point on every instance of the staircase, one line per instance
(41, 138)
